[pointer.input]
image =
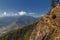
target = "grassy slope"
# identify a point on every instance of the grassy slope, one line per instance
(19, 34)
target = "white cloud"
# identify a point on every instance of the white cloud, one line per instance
(22, 13)
(5, 13)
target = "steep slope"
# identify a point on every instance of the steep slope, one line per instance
(19, 34)
(49, 26)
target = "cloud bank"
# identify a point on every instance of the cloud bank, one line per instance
(21, 13)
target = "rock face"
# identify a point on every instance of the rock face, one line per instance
(48, 27)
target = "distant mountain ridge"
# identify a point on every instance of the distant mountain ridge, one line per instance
(10, 23)
(4, 21)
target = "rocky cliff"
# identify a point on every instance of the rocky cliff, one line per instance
(48, 27)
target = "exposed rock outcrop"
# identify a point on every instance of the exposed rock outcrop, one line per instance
(48, 27)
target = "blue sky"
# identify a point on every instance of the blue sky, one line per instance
(36, 7)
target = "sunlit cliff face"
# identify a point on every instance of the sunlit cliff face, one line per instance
(48, 27)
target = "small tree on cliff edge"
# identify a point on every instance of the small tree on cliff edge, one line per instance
(54, 3)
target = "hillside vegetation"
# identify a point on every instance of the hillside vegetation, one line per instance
(19, 34)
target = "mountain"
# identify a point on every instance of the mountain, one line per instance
(4, 21)
(26, 20)
(22, 21)
(11, 23)
(47, 28)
